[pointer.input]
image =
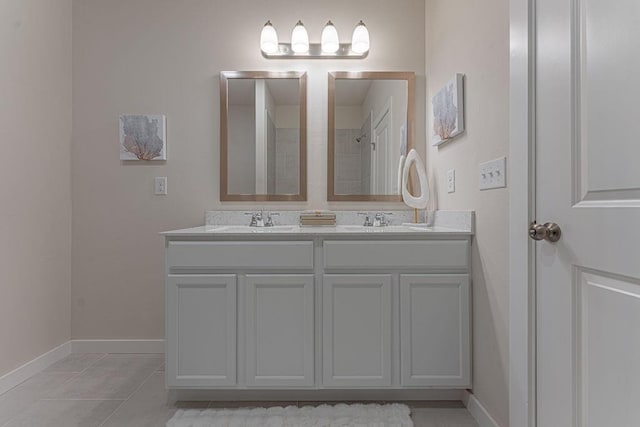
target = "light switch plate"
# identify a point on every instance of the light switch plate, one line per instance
(493, 174)
(160, 186)
(451, 181)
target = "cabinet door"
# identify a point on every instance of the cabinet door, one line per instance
(201, 330)
(356, 343)
(279, 330)
(434, 325)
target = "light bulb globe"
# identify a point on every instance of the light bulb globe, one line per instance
(299, 39)
(269, 39)
(360, 38)
(330, 41)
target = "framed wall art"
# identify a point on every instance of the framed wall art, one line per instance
(448, 111)
(143, 137)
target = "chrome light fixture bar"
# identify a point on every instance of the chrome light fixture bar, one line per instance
(300, 48)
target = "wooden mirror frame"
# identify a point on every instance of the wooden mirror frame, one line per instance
(225, 76)
(407, 76)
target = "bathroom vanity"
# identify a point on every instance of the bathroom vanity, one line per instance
(345, 307)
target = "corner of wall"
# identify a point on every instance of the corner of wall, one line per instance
(36, 117)
(473, 39)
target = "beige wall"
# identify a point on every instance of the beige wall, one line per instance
(35, 135)
(164, 56)
(472, 37)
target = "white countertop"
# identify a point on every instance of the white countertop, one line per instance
(295, 230)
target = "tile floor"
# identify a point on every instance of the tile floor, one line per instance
(127, 390)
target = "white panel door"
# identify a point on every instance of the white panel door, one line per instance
(434, 327)
(588, 182)
(280, 330)
(201, 330)
(356, 317)
(381, 176)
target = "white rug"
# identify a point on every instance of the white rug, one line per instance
(358, 415)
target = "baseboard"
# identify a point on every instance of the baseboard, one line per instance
(314, 395)
(117, 346)
(477, 411)
(37, 365)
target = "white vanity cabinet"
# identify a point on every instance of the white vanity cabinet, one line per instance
(239, 307)
(279, 330)
(318, 309)
(434, 327)
(356, 338)
(201, 330)
(425, 291)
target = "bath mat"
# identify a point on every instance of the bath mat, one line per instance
(342, 415)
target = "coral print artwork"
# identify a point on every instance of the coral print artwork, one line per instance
(448, 111)
(143, 137)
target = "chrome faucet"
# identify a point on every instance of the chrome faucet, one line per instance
(381, 220)
(256, 219)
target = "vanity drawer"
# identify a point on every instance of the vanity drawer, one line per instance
(384, 254)
(240, 255)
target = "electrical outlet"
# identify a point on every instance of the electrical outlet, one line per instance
(493, 174)
(451, 181)
(160, 186)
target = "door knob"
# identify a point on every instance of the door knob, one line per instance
(549, 231)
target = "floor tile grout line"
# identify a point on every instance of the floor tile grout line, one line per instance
(43, 372)
(103, 355)
(73, 375)
(94, 363)
(77, 374)
(127, 399)
(82, 399)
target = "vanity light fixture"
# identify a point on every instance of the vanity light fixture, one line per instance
(300, 48)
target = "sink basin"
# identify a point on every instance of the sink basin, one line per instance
(247, 229)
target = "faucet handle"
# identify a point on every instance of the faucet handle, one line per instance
(269, 222)
(367, 219)
(254, 220)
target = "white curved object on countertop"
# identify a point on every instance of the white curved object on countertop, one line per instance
(421, 201)
(400, 171)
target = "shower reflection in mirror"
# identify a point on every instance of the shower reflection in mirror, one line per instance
(370, 117)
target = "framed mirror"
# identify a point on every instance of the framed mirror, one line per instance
(371, 125)
(263, 136)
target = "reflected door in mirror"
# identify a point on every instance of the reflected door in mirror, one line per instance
(370, 118)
